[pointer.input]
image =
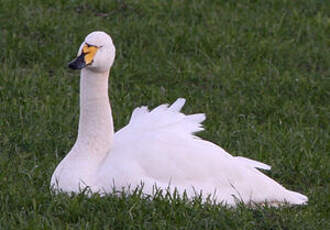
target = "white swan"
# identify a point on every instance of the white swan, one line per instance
(157, 147)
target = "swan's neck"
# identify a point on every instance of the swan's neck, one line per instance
(95, 132)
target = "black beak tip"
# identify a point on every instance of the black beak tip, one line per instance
(71, 65)
(77, 63)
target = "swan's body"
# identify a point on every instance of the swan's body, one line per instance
(157, 148)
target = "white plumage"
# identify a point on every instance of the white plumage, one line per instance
(157, 148)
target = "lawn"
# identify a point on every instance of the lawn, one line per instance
(259, 70)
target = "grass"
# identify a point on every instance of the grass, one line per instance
(258, 69)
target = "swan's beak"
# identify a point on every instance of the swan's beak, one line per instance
(85, 58)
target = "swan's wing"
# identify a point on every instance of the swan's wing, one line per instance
(253, 163)
(170, 120)
(166, 117)
(158, 146)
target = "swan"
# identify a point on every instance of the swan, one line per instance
(157, 147)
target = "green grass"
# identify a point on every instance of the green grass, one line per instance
(258, 69)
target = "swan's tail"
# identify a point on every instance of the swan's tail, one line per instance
(296, 198)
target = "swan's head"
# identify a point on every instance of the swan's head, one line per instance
(96, 53)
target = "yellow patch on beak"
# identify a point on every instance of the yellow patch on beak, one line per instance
(89, 52)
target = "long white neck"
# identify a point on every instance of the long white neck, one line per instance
(95, 132)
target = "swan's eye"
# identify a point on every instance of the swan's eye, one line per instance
(89, 52)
